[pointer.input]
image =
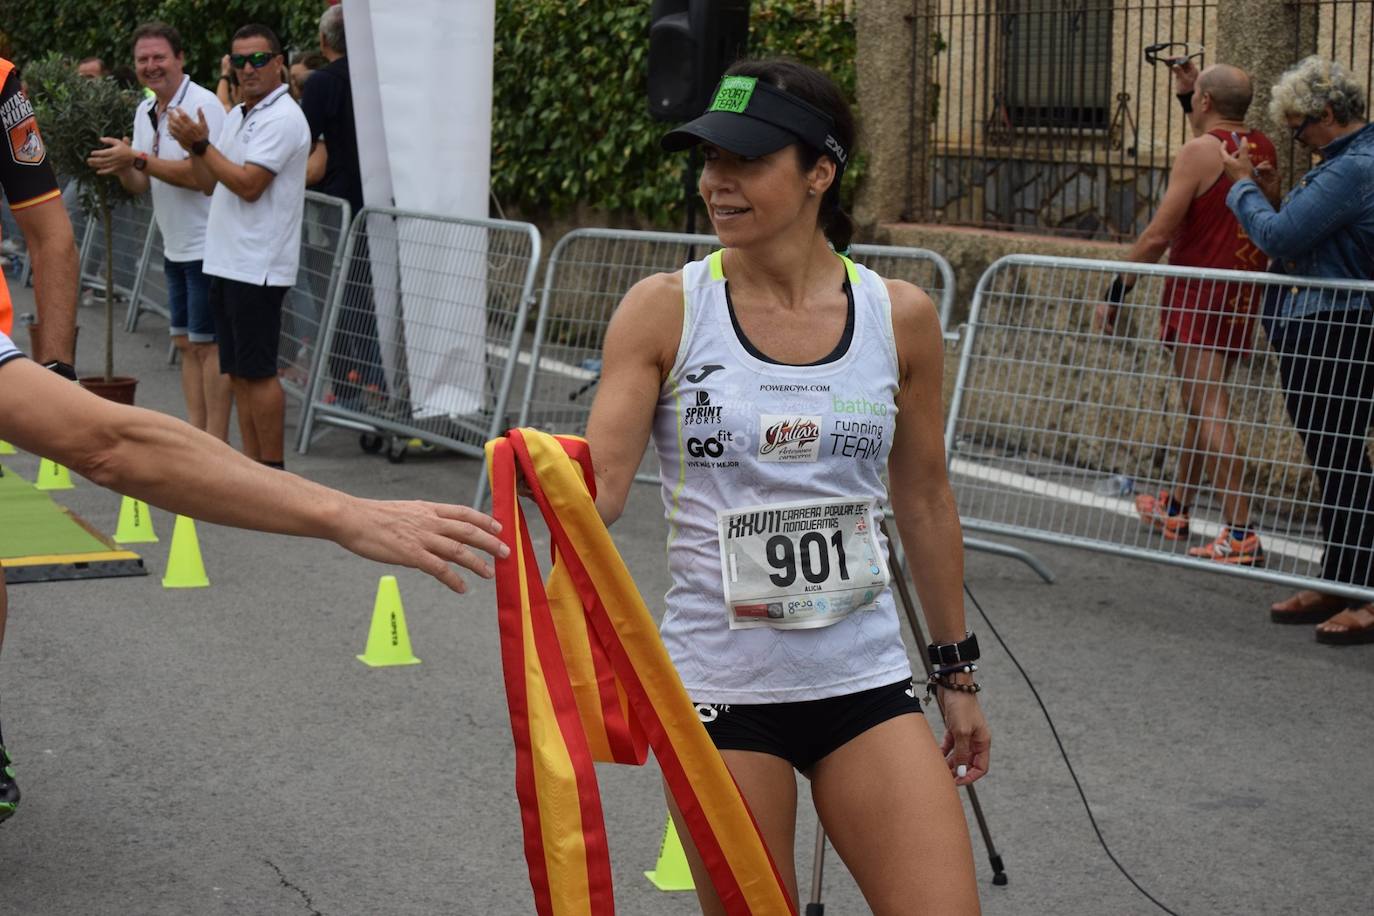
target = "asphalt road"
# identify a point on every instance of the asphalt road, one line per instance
(221, 750)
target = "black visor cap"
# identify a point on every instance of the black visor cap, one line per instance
(738, 134)
(751, 118)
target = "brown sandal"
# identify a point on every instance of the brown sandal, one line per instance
(1307, 606)
(1357, 627)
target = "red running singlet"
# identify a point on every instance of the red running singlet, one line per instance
(1210, 313)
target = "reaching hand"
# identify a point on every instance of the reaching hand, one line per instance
(184, 130)
(1185, 76)
(115, 156)
(430, 537)
(1238, 166)
(225, 67)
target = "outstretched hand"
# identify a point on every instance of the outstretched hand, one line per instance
(1238, 165)
(1185, 76)
(430, 537)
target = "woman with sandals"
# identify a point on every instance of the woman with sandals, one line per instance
(778, 380)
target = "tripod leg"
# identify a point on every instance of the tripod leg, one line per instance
(815, 907)
(999, 874)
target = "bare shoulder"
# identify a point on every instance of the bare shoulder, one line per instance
(1201, 150)
(913, 311)
(648, 320)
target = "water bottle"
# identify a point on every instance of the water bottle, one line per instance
(1115, 485)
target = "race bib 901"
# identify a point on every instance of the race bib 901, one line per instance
(800, 564)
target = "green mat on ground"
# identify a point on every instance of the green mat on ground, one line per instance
(41, 540)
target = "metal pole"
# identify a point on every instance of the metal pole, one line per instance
(999, 874)
(815, 907)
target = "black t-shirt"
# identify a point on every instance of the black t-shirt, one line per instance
(25, 173)
(327, 101)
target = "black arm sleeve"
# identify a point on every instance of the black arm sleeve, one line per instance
(25, 173)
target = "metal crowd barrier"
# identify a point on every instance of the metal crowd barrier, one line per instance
(588, 273)
(591, 269)
(149, 293)
(324, 233)
(1057, 430)
(129, 227)
(422, 331)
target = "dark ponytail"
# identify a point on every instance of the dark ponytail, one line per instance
(814, 87)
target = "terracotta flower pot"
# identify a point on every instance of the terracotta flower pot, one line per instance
(119, 389)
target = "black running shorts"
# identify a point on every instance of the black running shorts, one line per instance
(247, 326)
(802, 733)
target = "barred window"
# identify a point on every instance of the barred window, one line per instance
(1057, 63)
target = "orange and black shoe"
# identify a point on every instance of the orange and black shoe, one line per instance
(1245, 551)
(1154, 511)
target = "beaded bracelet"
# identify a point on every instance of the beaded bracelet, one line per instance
(940, 677)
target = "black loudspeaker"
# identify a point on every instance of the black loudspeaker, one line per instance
(691, 42)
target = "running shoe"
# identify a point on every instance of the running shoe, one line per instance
(1226, 549)
(1154, 511)
(9, 792)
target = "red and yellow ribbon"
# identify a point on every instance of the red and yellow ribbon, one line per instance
(588, 679)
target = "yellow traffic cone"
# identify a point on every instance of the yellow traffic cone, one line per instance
(184, 566)
(388, 640)
(135, 523)
(7, 449)
(53, 476)
(671, 872)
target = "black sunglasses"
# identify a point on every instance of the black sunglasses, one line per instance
(1307, 122)
(258, 59)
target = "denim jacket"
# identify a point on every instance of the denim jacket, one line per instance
(1324, 229)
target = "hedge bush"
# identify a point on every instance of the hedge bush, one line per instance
(570, 119)
(571, 123)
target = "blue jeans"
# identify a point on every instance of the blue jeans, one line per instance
(188, 299)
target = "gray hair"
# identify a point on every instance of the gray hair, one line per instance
(332, 29)
(1313, 84)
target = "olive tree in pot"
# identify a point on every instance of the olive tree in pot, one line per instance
(74, 112)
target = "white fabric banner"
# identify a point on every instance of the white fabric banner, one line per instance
(422, 89)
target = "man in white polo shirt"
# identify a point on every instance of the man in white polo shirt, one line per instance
(156, 161)
(255, 169)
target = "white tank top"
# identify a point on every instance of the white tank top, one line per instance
(733, 430)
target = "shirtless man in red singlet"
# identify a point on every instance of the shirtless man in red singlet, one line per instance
(1205, 324)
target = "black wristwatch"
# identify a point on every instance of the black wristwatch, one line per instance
(66, 370)
(199, 147)
(952, 653)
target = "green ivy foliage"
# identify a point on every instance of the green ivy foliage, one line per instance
(101, 28)
(570, 119)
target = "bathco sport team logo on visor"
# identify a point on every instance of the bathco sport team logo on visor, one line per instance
(734, 93)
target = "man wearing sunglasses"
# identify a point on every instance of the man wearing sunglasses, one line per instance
(254, 168)
(155, 162)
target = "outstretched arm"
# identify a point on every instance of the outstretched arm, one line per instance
(173, 465)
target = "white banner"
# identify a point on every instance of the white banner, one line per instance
(422, 87)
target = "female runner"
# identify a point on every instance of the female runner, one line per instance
(777, 378)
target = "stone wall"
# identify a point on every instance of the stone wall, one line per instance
(1084, 199)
